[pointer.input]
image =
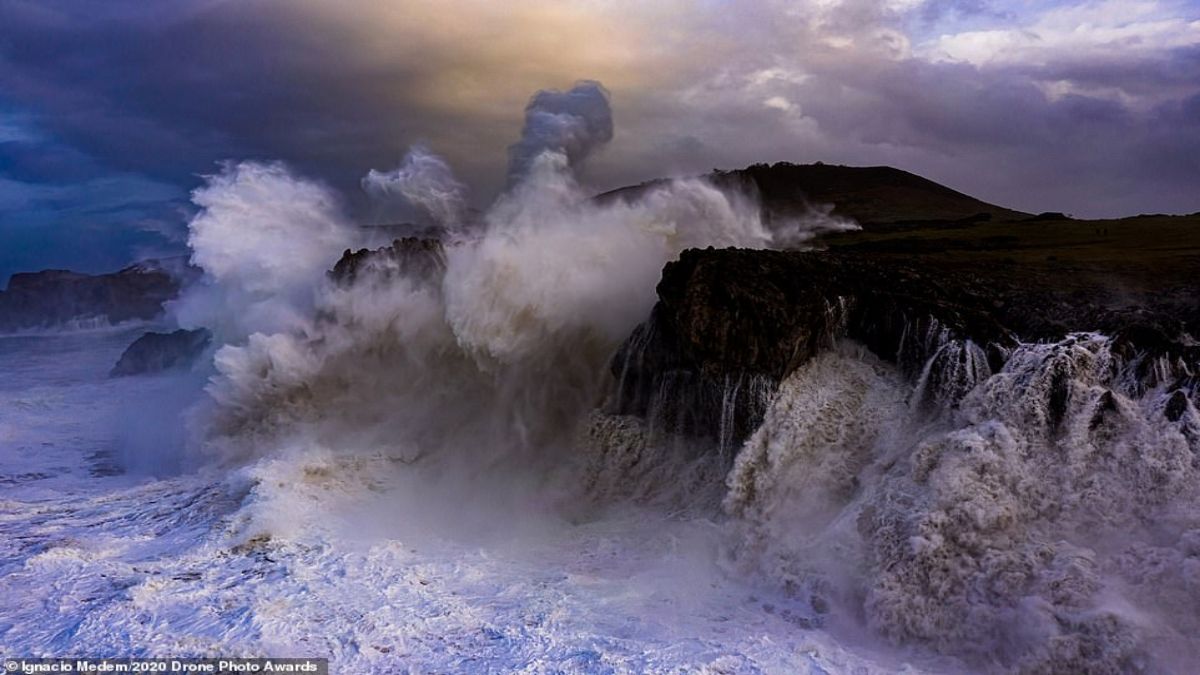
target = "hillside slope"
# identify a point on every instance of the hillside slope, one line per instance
(873, 196)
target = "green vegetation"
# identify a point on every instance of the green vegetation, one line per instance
(1126, 267)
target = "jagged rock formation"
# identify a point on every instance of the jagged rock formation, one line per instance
(156, 352)
(57, 297)
(414, 257)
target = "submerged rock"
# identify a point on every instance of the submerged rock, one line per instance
(156, 352)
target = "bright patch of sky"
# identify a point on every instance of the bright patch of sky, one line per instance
(1037, 33)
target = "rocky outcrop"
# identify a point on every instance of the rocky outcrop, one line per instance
(731, 324)
(413, 257)
(156, 352)
(52, 298)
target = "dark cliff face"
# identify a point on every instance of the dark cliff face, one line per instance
(731, 324)
(56, 297)
(743, 320)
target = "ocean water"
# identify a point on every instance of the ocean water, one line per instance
(103, 554)
(857, 531)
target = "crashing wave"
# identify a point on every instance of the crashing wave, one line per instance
(1045, 523)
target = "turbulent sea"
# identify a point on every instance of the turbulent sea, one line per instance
(861, 529)
(320, 557)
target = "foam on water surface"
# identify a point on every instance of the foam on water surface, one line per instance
(294, 556)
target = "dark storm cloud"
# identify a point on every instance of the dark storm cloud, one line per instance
(59, 207)
(172, 93)
(150, 101)
(1084, 107)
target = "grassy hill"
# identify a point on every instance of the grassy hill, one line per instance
(873, 196)
(1127, 267)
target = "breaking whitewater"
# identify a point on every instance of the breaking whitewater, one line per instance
(413, 465)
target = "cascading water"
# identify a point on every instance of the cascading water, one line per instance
(1044, 520)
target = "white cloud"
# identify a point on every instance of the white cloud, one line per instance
(1090, 30)
(779, 103)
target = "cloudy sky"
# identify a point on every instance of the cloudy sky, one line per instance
(111, 111)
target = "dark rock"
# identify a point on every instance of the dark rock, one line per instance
(1133, 340)
(1105, 408)
(156, 352)
(1176, 405)
(739, 321)
(1152, 358)
(412, 257)
(57, 297)
(731, 324)
(1060, 392)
